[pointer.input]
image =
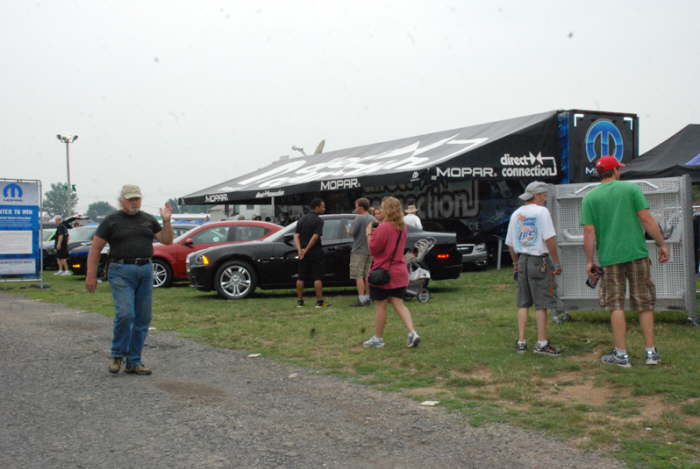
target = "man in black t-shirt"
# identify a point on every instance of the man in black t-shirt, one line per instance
(61, 246)
(307, 240)
(130, 233)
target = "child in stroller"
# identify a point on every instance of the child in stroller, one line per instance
(418, 272)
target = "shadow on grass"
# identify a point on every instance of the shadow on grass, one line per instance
(281, 294)
(442, 289)
(331, 292)
(602, 317)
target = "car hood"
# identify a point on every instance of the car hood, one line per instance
(80, 247)
(71, 246)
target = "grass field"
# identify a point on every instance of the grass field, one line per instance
(647, 416)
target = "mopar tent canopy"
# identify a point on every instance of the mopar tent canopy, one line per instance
(520, 148)
(678, 155)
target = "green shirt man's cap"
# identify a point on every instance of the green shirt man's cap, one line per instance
(607, 163)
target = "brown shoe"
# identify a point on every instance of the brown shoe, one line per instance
(115, 364)
(137, 370)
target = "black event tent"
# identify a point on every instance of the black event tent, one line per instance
(520, 148)
(678, 155)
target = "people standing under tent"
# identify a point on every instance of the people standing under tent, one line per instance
(387, 243)
(308, 242)
(615, 215)
(360, 260)
(411, 219)
(531, 241)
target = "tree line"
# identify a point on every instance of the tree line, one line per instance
(60, 201)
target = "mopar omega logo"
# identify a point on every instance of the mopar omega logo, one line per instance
(604, 131)
(12, 192)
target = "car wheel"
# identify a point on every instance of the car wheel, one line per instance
(162, 274)
(235, 280)
(423, 296)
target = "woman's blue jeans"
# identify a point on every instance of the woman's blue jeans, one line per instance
(132, 292)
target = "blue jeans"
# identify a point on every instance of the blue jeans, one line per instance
(132, 292)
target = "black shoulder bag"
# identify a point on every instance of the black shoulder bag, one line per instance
(381, 276)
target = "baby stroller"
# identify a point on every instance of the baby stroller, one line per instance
(418, 272)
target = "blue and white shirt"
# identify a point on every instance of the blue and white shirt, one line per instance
(529, 227)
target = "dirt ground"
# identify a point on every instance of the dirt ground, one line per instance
(206, 407)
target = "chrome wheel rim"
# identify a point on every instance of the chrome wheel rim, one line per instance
(236, 281)
(160, 275)
(423, 296)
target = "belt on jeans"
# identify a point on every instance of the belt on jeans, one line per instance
(133, 260)
(532, 255)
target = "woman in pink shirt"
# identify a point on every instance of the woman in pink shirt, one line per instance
(387, 254)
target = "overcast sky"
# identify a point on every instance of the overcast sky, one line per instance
(179, 95)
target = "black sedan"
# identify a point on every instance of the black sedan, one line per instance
(235, 271)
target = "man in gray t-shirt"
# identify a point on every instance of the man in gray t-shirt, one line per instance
(360, 260)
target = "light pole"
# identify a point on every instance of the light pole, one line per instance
(299, 149)
(67, 141)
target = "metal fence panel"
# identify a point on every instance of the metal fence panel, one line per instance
(670, 202)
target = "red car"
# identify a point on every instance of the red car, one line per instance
(169, 261)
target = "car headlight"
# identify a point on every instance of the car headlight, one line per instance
(480, 247)
(199, 259)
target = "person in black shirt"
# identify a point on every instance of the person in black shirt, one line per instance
(61, 246)
(130, 233)
(307, 240)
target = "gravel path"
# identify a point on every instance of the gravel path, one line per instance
(206, 407)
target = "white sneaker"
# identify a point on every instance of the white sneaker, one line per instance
(651, 357)
(59, 272)
(413, 339)
(373, 341)
(68, 273)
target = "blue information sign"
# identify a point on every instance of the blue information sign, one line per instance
(20, 229)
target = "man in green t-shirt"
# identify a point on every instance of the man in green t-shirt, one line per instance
(614, 216)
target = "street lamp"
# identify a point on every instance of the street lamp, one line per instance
(299, 149)
(319, 148)
(67, 141)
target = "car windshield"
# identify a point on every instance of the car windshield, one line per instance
(82, 234)
(186, 234)
(47, 233)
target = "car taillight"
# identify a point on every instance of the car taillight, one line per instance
(443, 256)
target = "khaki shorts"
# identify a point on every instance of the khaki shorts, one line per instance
(536, 283)
(359, 265)
(642, 288)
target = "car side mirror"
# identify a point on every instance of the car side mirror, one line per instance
(188, 242)
(288, 239)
